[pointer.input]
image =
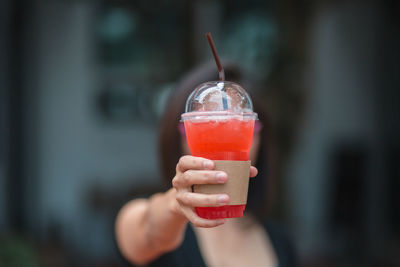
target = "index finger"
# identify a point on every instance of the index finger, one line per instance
(194, 163)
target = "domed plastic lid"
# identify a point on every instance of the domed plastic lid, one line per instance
(217, 98)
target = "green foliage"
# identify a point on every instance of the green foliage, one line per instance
(17, 252)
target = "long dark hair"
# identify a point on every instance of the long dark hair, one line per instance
(262, 188)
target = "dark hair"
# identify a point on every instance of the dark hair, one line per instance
(261, 189)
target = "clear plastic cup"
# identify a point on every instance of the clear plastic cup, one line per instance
(219, 123)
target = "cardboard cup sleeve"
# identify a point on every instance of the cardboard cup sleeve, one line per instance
(237, 185)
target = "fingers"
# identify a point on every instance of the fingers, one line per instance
(194, 163)
(253, 171)
(187, 198)
(191, 177)
(200, 222)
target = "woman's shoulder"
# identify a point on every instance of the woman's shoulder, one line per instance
(282, 242)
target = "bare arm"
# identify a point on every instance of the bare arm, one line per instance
(147, 228)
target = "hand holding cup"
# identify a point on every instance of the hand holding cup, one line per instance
(191, 171)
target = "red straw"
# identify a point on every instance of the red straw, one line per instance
(221, 72)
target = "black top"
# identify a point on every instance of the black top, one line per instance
(188, 253)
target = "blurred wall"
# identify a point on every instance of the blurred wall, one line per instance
(341, 114)
(4, 116)
(3, 76)
(71, 148)
(3, 225)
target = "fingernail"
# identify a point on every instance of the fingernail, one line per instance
(220, 221)
(208, 164)
(221, 177)
(223, 199)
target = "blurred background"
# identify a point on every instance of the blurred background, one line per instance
(83, 84)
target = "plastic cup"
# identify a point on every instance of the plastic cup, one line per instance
(219, 124)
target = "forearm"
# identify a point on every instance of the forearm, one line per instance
(165, 223)
(147, 228)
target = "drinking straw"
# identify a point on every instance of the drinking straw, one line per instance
(221, 72)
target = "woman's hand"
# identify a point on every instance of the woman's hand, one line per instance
(194, 170)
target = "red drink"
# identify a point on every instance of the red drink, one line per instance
(220, 137)
(226, 139)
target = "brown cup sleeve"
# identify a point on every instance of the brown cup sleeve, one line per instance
(237, 185)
